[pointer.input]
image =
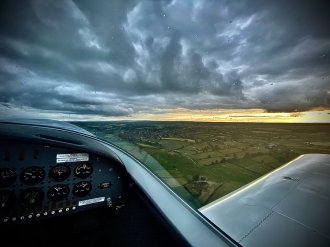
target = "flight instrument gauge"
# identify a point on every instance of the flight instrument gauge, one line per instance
(7, 177)
(83, 170)
(59, 173)
(7, 199)
(58, 192)
(31, 197)
(82, 189)
(32, 175)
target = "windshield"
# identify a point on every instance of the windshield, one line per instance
(209, 95)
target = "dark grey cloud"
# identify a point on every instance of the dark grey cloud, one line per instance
(118, 58)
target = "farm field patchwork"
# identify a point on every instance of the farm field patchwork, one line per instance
(210, 160)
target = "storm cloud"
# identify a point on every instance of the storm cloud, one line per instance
(120, 58)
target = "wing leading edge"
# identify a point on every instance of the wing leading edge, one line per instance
(287, 207)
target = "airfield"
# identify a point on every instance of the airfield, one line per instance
(210, 160)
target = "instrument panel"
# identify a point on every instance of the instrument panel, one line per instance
(38, 181)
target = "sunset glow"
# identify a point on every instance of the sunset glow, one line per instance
(240, 115)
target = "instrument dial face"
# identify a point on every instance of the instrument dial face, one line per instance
(31, 197)
(58, 192)
(32, 175)
(83, 170)
(59, 173)
(7, 177)
(7, 199)
(82, 189)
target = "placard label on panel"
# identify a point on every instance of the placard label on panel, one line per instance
(91, 201)
(61, 158)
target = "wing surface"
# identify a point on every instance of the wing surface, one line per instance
(287, 207)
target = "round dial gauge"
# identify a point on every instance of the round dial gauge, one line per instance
(58, 192)
(31, 197)
(7, 177)
(82, 189)
(83, 170)
(32, 175)
(7, 199)
(59, 173)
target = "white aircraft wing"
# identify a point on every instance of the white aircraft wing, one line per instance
(287, 207)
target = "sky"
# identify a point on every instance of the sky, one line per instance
(220, 60)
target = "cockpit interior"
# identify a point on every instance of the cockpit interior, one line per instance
(60, 185)
(68, 189)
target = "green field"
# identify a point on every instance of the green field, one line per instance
(265, 159)
(244, 162)
(210, 160)
(253, 150)
(275, 164)
(231, 151)
(261, 169)
(206, 155)
(173, 145)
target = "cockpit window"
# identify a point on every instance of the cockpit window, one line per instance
(203, 162)
(210, 95)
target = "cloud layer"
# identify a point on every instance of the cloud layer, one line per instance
(122, 58)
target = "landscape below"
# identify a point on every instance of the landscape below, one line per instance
(210, 160)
